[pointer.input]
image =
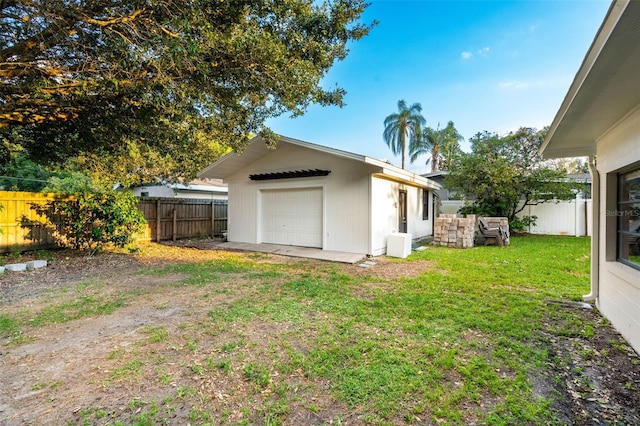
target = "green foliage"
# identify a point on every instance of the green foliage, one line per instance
(92, 219)
(163, 86)
(502, 175)
(442, 145)
(404, 128)
(22, 174)
(72, 183)
(521, 224)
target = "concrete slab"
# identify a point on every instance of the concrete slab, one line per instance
(294, 251)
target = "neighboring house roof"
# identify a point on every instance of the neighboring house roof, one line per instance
(605, 89)
(439, 173)
(581, 177)
(232, 162)
(208, 185)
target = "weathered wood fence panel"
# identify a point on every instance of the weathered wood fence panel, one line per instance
(175, 218)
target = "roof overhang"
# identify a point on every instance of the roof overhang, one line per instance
(257, 148)
(605, 89)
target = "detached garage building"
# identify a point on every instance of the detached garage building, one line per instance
(307, 195)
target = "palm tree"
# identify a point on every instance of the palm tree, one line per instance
(433, 142)
(403, 127)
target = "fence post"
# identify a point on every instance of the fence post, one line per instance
(175, 224)
(158, 228)
(213, 218)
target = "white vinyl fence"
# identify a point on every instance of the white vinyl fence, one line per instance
(561, 218)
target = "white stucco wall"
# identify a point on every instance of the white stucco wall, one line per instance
(345, 196)
(619, 298)
(384, 213)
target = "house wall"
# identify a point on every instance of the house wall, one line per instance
(154, 191)
(385, 214)
(619, 289)
(345, 196)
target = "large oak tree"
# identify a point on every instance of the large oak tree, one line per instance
(163, 86)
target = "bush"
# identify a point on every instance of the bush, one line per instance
(522, 224)
(92, 219)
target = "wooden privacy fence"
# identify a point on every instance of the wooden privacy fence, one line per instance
(16, 211)
(176, 218)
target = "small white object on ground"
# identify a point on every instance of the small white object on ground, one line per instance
(16, 267)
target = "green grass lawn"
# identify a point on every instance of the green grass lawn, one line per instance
(461, 343)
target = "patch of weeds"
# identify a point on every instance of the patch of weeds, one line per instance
(204, 273)
(223, 365)
(192, 345)
(146, 412)
(197, 369)
(620, 345)
(15, 252)
(116, 353)
(240, 310)
(165, 378)
(132, 369)
(267, 276)
(258, 374)
(199, 415)
(161, 306)
(8, 326)
(588, 332)
(77, 308)
(156, 334)
(98, 413)
(44, 254)
(587, 354)
(276, 412)
(184, 392)
(45, 385)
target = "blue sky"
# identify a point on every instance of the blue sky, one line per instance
(485, 65)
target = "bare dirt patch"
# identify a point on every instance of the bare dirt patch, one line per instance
(163, 351)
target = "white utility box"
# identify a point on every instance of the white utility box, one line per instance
(399, 245)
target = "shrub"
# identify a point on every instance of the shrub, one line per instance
(90, 220)
(522, 224)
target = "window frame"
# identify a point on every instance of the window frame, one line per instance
(627, 240)
(425, 204)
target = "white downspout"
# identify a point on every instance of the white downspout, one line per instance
(595, 231)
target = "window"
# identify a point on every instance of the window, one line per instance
(425, 204)
(628, 213)
(144, 194)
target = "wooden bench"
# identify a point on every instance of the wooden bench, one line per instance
(495, 235)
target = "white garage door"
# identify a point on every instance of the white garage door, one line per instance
(292, 217)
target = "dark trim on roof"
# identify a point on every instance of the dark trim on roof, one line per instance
(290, 175)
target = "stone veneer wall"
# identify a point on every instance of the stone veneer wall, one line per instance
(453, 231)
